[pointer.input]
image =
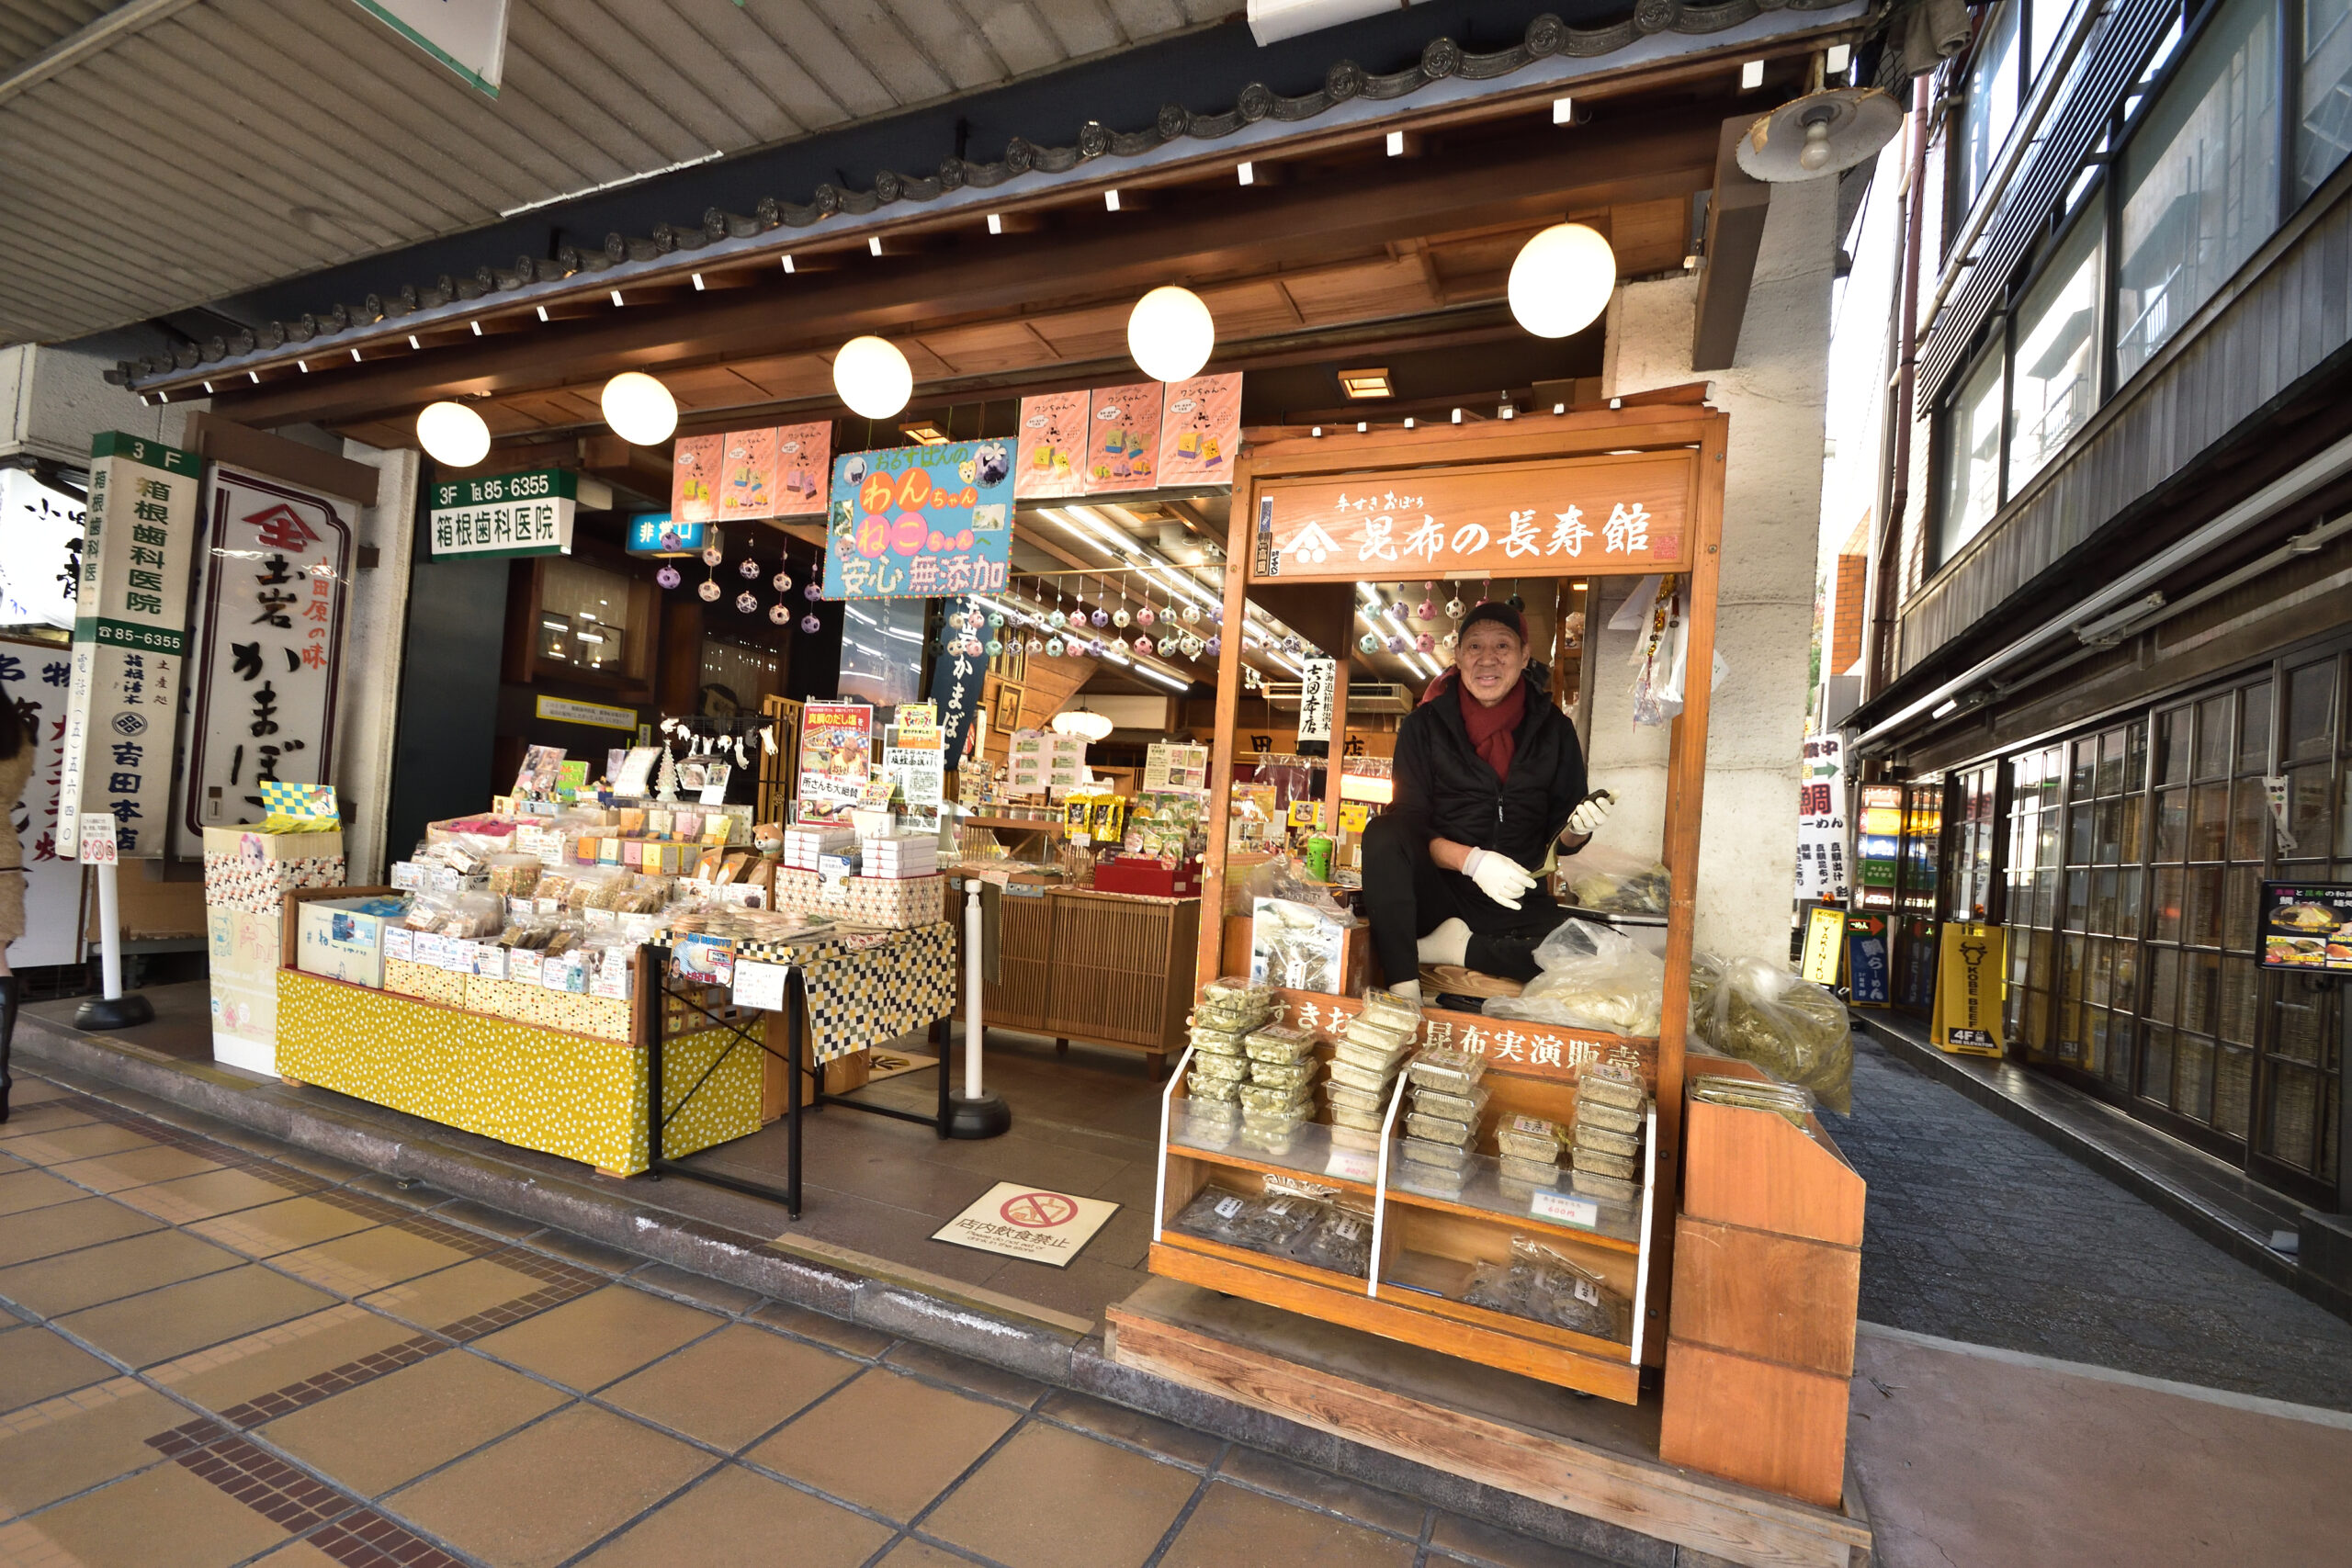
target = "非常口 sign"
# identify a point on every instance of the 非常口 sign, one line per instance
(1629, 513)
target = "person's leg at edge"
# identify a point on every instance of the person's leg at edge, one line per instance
(1507, 945)
(8, 989)
(1405, 899)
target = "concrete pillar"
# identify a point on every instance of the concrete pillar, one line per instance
(375, 631)
(1775, 393)
(55, 397)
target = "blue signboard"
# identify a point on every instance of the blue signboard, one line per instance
(654, 534)
(1866, 974)
(920, 521)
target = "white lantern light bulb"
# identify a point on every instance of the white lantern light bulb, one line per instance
(872, 377)
(1561, 279)
(453, 434)
(640, 409)
(1171, 334)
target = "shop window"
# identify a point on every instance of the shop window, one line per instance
(2029, 906)
(2100, 920)
(2200, 186)
(1972, 446)
(1991, 108)
(2055, 387)
(584, 617)
(1975, 833)
(2324, 129)
(737, 678)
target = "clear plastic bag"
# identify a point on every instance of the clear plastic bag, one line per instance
(1594, 977)
(1340, 1241)
(1759, 1012)
(1544, 1284)
(1611, 881)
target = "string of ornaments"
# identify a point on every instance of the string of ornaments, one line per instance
(748, 602)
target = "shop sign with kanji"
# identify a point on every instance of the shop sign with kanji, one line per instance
(1628, 513)
(920, 521)
(506, 514)
(130, 632)
(1526, 1048)
(277, 577)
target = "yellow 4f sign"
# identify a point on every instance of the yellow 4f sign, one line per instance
(1969, 974)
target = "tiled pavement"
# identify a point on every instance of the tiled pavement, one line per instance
(1979, 1231)
(213, 1354)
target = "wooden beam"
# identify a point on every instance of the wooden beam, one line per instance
(225, 440)
(1735, 233)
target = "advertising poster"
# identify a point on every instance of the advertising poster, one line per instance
(1821, 821)
(268, 647)
(41, 552)
(1880, 848)
(2307, 926)
(130, 638)
(920, 521)
(1200, 431)
(1123, 444)
(836, 757)
(694, 481)
(1028, 758)
(36, 677)
(746, 475)
(1866, 966)
(804, 459)
(1824, 940)
(1050, 459)
(1968, 990)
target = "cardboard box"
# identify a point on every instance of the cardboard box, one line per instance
(343, 939)
(245, 868)
(243, 949)
(892, 902)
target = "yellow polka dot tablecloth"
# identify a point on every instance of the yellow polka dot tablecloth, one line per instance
(871, 987)
(560, 1093)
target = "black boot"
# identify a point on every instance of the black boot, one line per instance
(9, 988)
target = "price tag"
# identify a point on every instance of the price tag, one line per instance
(759, 985)
(1353, 1165)
(97, 846)
(1562, 1209)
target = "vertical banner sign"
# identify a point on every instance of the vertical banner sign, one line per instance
(1824, 938)
(1881, 846)
(1968, 990)
(276, 578)
(920, 521)
(1318, 693)
(1821, 821)
(129, 633)
(955, 681)
(35, 678)
(467, 36)
(1867, 983)
(41, 552)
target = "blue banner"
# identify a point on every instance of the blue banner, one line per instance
(920, 521)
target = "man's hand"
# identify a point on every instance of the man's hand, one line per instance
(1590, 813)
(1498, 877)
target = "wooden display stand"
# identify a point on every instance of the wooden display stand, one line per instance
(1101, 969)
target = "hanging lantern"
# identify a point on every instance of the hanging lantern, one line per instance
(1192, 614)
(1216, 644)
(782, 582)
(808, 623)
(710, 593)
(780, 612)
(746, 601)
(453, 434)
(1171, 332)
(1100, 616)
(1561, 279)
(668, 577)
(872, 377)
(640, 409)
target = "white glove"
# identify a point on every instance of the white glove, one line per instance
(1591, 812)
(1499, 876)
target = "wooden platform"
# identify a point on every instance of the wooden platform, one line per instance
(1587, 1456)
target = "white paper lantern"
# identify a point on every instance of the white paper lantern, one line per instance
(1171, 334)
(872, 377)
(452, 434)
(1561, 279)
(640, 409)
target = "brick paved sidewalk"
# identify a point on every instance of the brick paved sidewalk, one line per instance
(221, 1355)
(1979, 1231)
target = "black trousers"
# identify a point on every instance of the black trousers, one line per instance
(1408, 895)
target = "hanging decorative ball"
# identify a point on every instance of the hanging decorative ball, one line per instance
(1369, 642)
(668, 577)
(1036, 643)
(996, 620)
(1053, 647)
(1143, 646)
(1192, 614)
(1100, 616)
(781, 582)
(710, 593)
(951, 638)
(1455, 609)
(996, 646)
(1193, 646)
(1516, 602)
(1056, 620)
(746, 602)
(780, 612)
(1293, 647)
(809, 622)
(1449, 642)
(1217, 611)
(748, 568)
(1397, 645)
(1118, 645)
(1216, 644)
(712, 554)
(1147, 616)
(1425, 643)
(812, 591)
(1425, 611)
(1119, 618)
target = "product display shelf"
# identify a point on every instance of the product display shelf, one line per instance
(1426, 1245)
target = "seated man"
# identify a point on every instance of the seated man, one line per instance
(1489, 777)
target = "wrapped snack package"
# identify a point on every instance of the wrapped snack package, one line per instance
(1545, 1284)
(1759, 1012)
(1369, 1079)
(1600, 1163)
(1219, 1215)
(1355, 1120)
(1445, 1157)
(1279, 1043)
(1594, 1114)
(1594, 977)
(1369, 1100)
(1532, 1138)
(1226, 1069)
(1197, 1088)
(1220, 1042)
(1612, 1083)
(1340, 1240)
(1443, 1067)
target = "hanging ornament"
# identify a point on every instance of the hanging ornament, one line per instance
(1397, 645)
(1120, 617)
(1293, 647)
(1099, 615)
(1516, 602)
(1053, 647)
(1449, 642)
(1036, 643)
(1192, 614)
(1369, 642)
(1146, 615)
(1455, 609)
(780, 612)
(996, 620)
(1424, 643)
(1217, 611)
(812, 592)
(668, 577)
(1427, 609)
(996, 646)
(1486, 592)
(1193, 646)
(712, 554)
(1216, 643)
(746, 601)
(1143, 647)
(781, 582)
(749, 567)
(808, 623)
(710, 590)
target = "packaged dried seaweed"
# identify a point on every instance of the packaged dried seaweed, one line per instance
(1540, 1282)
(1759, 1012)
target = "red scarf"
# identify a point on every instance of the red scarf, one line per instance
(1494, 731)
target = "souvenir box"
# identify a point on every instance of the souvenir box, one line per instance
(245, 868)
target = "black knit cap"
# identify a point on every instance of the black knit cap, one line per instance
(1501, 613)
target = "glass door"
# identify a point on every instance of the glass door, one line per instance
(2299, 1063)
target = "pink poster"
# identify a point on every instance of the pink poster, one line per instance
(747, 485)
(694, 482)
(1123, 451)
(1201, 430)
(803, 463)
(1050, 459)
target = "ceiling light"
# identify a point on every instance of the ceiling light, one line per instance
(698, 284)
(1395, 143)
(543, 312)
(355, 356)
(1111, 201)
(872, 377)
(303, 366)
(208, 388)
(1372, 382)
(1561, 279)
(925, 433)
(787, 264)
(1564, 111)
(476, 327)
(874, 244)
(1247, 174)
(1171, 334)
(1751, 75)
(996, 224)
(640, 409)
(1408, 422)
(255, 377)
(452, 434)
(1082, 722)
(413, 343)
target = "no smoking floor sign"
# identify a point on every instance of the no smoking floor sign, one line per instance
(1028, 1223)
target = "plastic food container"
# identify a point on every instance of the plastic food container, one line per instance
(1438, 1130)
(1609, 1117)
(1593, 1184)
(1279, 1043)
(1453, 1107)
(1348, 1135)
(1599, 1164)
(1607, 1141)
(1610, 1083)
(1443, 1067)
(1283, 1075)
(1197, 1088)
(1373, 1032)
(1238, 988)
(1267, 1101)
(1388, 1008)
(1218, 1042)
(1531, 1137)
(1367, 1078)
(1271, 1140)
(1226, 1069)
(1445, 1157)
(1354, 1099)
(1361, 1120)
(1534, 1172)
(1382, 1060)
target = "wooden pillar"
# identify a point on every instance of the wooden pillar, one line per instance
(1211, 947)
